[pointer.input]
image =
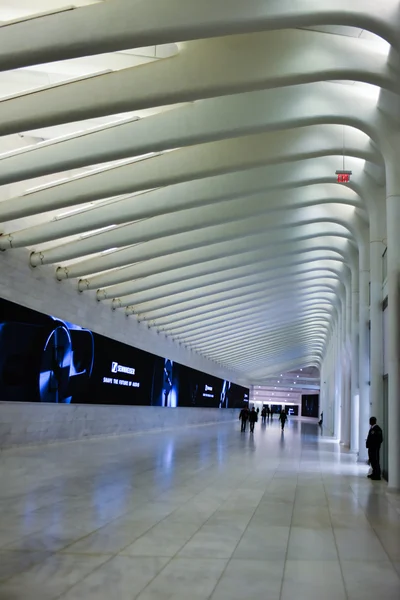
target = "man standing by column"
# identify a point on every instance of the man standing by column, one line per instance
(373, 443)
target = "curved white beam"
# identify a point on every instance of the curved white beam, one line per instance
(208, 282)
(154, 204)
(254, 354)
(153, 310)
(334, 236)
(330, 249)
(263, 265)
(191, 163)
(245, 324)
(235, 306)
(181, 301)
(153, 22)
(252, 299)
(273, 315)
(192, 220)
(255, 307)
(201, 122)
(217, 270)
(204, 69)
(256, 340)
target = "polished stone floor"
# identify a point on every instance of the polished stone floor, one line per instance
(204, 512)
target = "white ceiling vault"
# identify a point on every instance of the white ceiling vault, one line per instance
(178, 158)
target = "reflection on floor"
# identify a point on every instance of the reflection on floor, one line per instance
(200, 513)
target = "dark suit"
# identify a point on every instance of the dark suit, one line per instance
(253, 418)
(373, 443)
(244, 415)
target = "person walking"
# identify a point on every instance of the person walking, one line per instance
(283, 419)
(264, 415)
(268, 412)
(244, 417)
(253, 418)
(373, 443)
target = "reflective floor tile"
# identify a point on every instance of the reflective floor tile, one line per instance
(185, 578)
(50, 578)
(217, 541)
(312, 580)
(13, 562)
(368, 580)
(121, 578)
(359, 544)
(250, 580)
(269, 543)
(164, 539)
(311, 544)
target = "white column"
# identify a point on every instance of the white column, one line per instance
(364, 408)
(377, 248)
(346, 413)
(355, 399)
(339, 374)
(393, 253)
(363, 352)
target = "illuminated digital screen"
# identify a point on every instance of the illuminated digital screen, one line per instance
(46, 359)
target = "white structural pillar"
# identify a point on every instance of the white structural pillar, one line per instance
(346, 412)
(393, 237)
(363, 351)
(377, 248)
(355, 393)
(338, 378)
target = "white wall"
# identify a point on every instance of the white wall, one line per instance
(37, 288)
(23, 423)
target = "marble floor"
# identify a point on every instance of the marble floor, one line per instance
(200, 513)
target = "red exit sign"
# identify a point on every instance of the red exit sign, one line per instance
(343, 176)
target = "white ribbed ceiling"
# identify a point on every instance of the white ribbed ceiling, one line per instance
(178, 158)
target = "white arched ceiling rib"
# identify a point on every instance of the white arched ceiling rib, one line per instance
(193, 163)
(218, 292)
(246, 350)
(164, 201)
(156, 311)
(200, 122)
(241, 324)
(245, 233)
(199, 256)
(255, 309)
(206, 284)
(248, 353)
(203, 268)
(228, 346)
(243, 260)
(229, 343)
(272, 339)
(192, 220)
(152, 22)
(204, 69)
(142, 293)
(237, 307)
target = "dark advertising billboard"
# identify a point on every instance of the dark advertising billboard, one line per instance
(310, 405)
(46, 359)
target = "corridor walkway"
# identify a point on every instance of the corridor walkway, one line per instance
(200, 513)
